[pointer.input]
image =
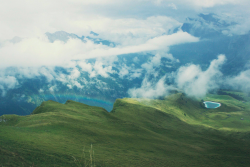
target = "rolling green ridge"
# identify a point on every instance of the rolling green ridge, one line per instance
(176, 131)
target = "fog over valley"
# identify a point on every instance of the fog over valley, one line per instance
(97, 50)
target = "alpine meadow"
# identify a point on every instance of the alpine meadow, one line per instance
(105, 83)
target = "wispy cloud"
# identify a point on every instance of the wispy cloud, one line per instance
(173, 6)
(6, 83)
(196, 82)
(151, 89)
(41, 52)
(155, 61)
(26, 49)
(191, 79)
(240, 82)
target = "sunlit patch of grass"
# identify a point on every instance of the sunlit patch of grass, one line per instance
(190, 111)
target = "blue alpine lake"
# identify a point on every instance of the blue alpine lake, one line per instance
(210, 104)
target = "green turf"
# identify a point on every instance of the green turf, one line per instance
(176, 131)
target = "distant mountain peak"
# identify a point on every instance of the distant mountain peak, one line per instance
(206, 25)
(62, 36)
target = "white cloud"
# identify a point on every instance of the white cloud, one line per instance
(131, 31)
(155, 61)
(101, 70)
(173, 6)
(53, 88)
(199, 3)
(71, 79)
(43, 56)
(157, 43)
(27, 72)
(30, 72)
(211, 3)
(157, 2)
(124, 71)
(151, 90)
(85, 66)
(48, 73)
(195, 82)
(78, 85)
(7, 82)
(140, 30)
(240, 82)
(64, 78)
(75, 73)
(106, 17)
(30, 18)
(69, 86)
(136, 74)
(135, 59)
(40, 90)
(243, 27)
(40, 52)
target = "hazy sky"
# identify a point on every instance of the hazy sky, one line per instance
(135, 26)
(32, 18)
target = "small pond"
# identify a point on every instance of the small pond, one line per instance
(210, 104)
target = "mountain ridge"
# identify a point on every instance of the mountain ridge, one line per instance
(137, 132)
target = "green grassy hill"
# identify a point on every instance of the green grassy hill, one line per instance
(176, 131)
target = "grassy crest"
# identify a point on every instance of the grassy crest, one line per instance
(176, 131)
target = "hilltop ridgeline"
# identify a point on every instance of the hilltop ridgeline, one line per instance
(175, 131)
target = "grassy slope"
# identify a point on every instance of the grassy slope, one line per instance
(136, 133)
(227, 117)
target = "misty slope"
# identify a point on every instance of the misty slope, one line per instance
(112, 77)
(213, 32)
(135, 133)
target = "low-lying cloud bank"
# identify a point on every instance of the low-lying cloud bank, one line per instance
(191, 79)
(240, 82)
(41, 52)
(151, 90)
(197, 83)
(37, 56)
(31, 54)
(6, 83)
